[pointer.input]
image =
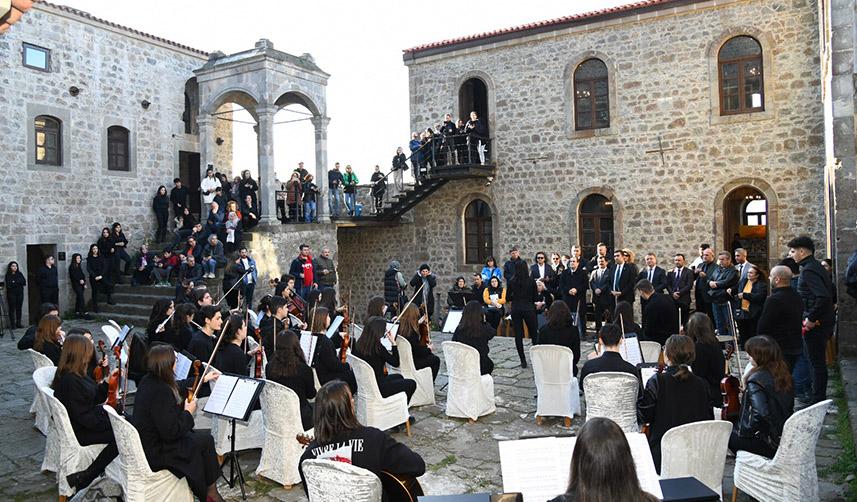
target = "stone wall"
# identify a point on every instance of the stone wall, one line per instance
(663, 70)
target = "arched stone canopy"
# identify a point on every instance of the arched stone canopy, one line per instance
(262, 80)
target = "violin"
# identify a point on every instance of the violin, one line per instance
(730, 387)
(196, 365)
(98, 373)
(259, 354)
(425, 331)
(113, 381)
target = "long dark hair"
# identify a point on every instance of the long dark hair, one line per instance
(768, 356)
(236, 322)
(369, 342)
(158, 314)
(681, 353)
(183, 310)
(491, 289)
(701, 330)
(73, 264)
(9, 268)
(46, 331)
(93, 246)
(158, 193)
(602, 468)
(159, 364)
(317, 320)
(558, 315)
(288, 356)
(522, 276)
(77, 351)
(333, 413)
(328, 299)
(625, 311)
(471, 319)
(375, 306)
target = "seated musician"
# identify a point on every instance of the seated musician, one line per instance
(454, 298)
(94, 361)
(376, 307)
(409, 327)
(768, 400)
(202, 342)
(369, 349)
(324, 358)
(287, 281)
(156, 329)
(674, 397)
(288, 367)
(474, 331)
(602, 467)
(181, 330)
(494, 297)
(560, 330)
(82, 397)
(49, 338)
(337, 432)
(328, 301)
(164, 419)
(231, 356)
(272, 324)
(607, 356)
(709, 363)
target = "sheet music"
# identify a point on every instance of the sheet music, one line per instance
(630, 350)
(183, 365)
(646, 473)
(240, 400)
(387, 344)
(220, 393)
(308, 343)
(647, 373)
(393, 327)
(294, 320)
(452, 320)
(334, 326)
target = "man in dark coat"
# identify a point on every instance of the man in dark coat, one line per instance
(610, 358)
(509, 266)
(701, 273)
(721, 291)
(620, 281)
(541, 270)
(782, 316)
(679, 284)
(428, 281)
(660, 316)
(573, 283)
(48, 281)
(178, 197)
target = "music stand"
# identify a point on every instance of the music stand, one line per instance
(233, 398)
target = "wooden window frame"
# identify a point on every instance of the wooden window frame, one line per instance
(484, 235)
(125, 166)
(596, 217)
(591, 83)
(44, 130)
(741, 62)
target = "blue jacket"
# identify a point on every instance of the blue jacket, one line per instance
(241, 270)
(487, 274)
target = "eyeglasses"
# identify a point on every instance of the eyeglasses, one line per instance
(540, 257)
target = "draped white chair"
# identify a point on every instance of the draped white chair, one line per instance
(356, 331)
(248, 435)
(612, 395)
(791, 475)
(373, 409)
(696, 449)
(469, 393)
(331, 481)
(281, 451)
(651, 351)
(558, 389)
(425, 383)
(39, 408)
(139, 483)
(42, 378)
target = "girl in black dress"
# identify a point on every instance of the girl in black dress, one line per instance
(369, 349)
(288, 367)
(78, 284)
(15, 283)
(161, 206)
(49, 337)
(474, 331)
(560, 330)
(83, 397)
(231, 356)
(164, 419)
(409, 327)
(324, 358)
(98, 268)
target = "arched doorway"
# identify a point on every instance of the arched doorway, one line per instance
(595, 223)
(745, 222)
(473, 96)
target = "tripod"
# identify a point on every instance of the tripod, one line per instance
(235, 472)
(4, 317)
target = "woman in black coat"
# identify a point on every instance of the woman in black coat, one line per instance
(559, 330)
(97, 267)
(522, 293)
(752, 292)
(161, 206)
(709, 363)
(288, 367)
(106, 250)
(475, 332)
(230, 357)
(164, 420)
(324, 358)
(78, 284)
(83, 397)
(120, 252)
(369, 349)
(15, 283)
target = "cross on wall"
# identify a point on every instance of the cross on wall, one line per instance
(661, 150)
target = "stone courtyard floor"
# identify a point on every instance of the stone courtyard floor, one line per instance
(460, 457)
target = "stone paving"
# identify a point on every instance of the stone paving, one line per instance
(460, 457)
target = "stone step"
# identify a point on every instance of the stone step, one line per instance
(148, 300)
(134, 309)
(139, 321)
(141, 291)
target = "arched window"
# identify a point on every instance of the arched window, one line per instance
(117, 149)
(591, 95)
(595, 223)
(48, 132)
(478, 241)
(739, 66)
(755, 212)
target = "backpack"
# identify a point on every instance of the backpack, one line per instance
(851, 275)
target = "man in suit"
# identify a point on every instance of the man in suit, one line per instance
(610, 359)
(660, 317)
(679, 284)
(598, 284)
(705, 267)
(721, 286)
(541, 270)
(573, 283)
(620, 281)
(601, 251)
(577, 251)
(654, 274)
(741, 263)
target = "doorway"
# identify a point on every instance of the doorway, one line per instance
(473, 96)
(595, 223)
(36, 254)
(189, 174)
(745, 224)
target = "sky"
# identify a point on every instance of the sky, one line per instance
(358, 43)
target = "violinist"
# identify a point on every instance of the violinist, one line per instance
(376, 307)
(324, 358)
(231, 357)
(97, 360)
(370, 349)
(274, 323)
(164, 419)
(474, 331)
(82, 397)
(288, 367)
(49, 337)
(607, 356)
(203, 340)
(156, 330)
(709, 363)
(409, 327)
(328, 301)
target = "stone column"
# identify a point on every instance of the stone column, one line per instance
(267, 188)
(207, 152)
(320, 124)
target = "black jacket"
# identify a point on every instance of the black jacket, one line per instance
(399, 162)
(701, 285)
(118, 241)
(509, 270)
(726, 278)
(380, 360)
(480, 343)
(392, 291)
(247, 187)
(522, 296)
(75, 275)
(82, 398)
(47, 277)
(269, 326)
(161, 203)
(764, 410)
(659, 278)
(604, 298)
(682, 286)
(816, 291)
(610, 361)
(625, 284)
(201, 346)
(782, 319)
(231, 358)
(756, 297)
(96, 266)
(427, 291)
(578, 280)
(660, 318)
(178, 196)
(549, 278)
(53, 351)
(15, 283)
(303, 385)
(325, 361)
(566, 336)
(710, 365)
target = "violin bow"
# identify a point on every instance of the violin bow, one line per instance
(398, 317)
(211, 358)
(241, 279)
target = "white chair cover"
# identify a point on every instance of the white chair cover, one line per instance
(40, 409)
(252, 372)
(469, 394)
(612, 395)
(329, 481)
(72, 456)
(696, 449)
(558, 390)
(791, 475)
(42, 378)
(356, 331)
(651, 351)
(373, 410)
(425, 383)
(248, 435)
(281, 451)
(139, 483)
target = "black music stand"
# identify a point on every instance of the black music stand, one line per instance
(233, 398)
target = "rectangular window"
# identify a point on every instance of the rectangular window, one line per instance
(37, 57)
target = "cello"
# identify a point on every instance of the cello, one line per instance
(730, 385)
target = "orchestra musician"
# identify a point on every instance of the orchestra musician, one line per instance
(324, 358)
(409, 327)
(370, 349)
(288, 367)
(274, 323)
(231, 357)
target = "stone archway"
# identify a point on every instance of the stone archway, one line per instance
(727, 199)
(574, 221)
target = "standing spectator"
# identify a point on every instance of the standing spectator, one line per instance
(522, 293)
(781, 317)
(249, 213)
(721, 289)
(235, 191)
(399, 168)
(511, 263)
(597, 283)
(178, 197)
(248, 187)
(186, 229)
(143, 263)
(428, 281)
(334, 190)
(209, 185)
(233, 232)
(491, 270)
(709, 363)
(161, 206)
(96, 267)
(350, 181)
(573, 284)
(741, 263)
(752, 291)
(679, 284)
(394, 287)
(163, 266)
(224, 184)
(660, 317)
(477, 137)
(221, 201)
(15, 283)
(301, 171)
(294, 190)
(212, 257)
(310, 196)
(414, 146)
(304, 272)
(460, 142)
(379, 187)
(247, 264)
(325, 269)
(702, 268)
(48, 282)
(78, 284)
(106, 250)
(119, 243)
